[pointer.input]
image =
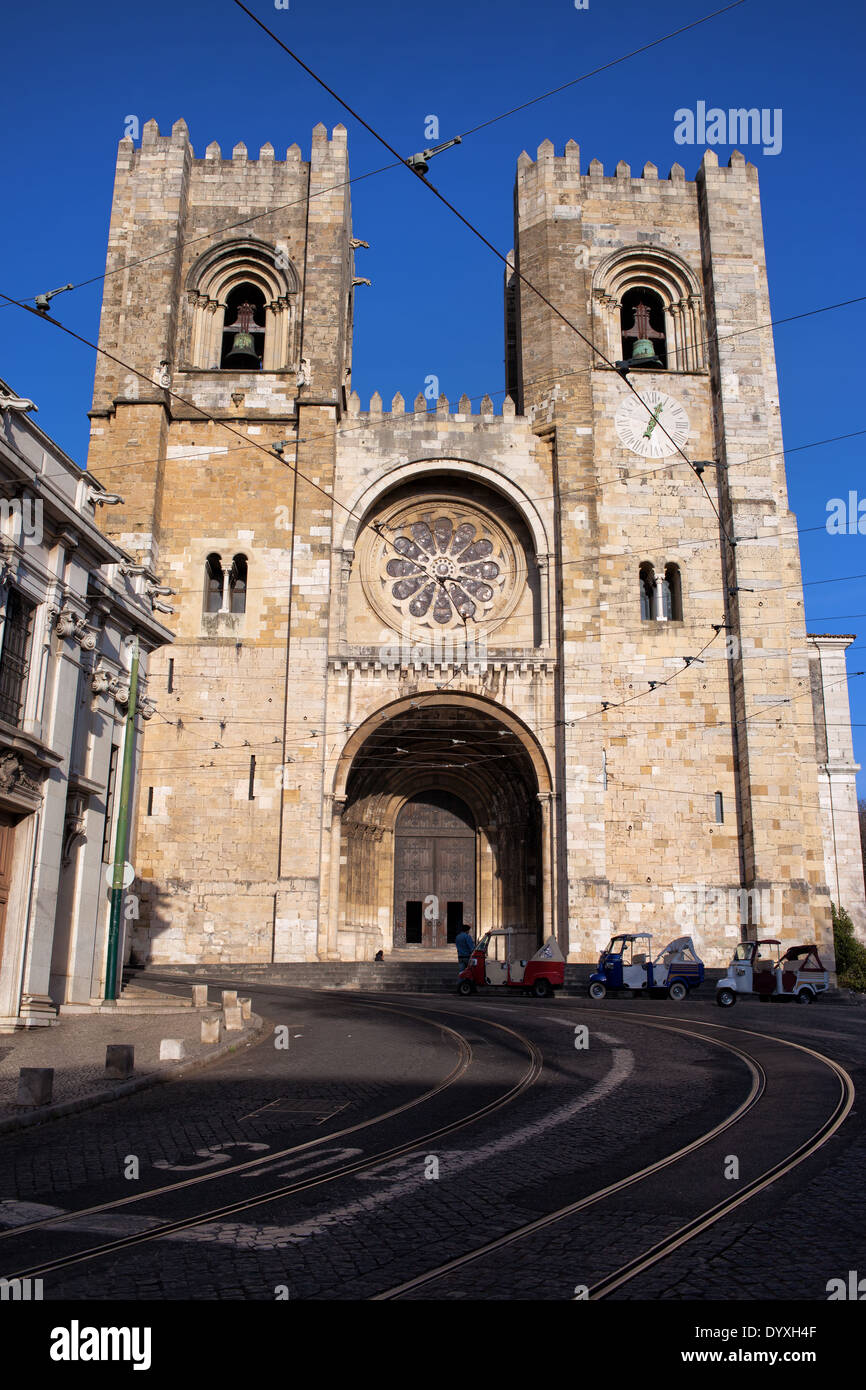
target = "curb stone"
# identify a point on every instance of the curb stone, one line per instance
(44, 1113)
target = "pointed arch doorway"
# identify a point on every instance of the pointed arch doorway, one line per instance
(434, 870)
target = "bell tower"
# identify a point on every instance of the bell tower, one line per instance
(226, 328)
(688, 757)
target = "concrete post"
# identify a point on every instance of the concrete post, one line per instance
(119, 1061)
(35, 1085)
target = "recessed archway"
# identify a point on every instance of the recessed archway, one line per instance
(477, 764)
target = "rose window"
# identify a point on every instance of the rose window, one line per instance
(444, 569)
(440, 564)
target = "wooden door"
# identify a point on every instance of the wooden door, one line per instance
(434, 870)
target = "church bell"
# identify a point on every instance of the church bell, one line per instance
(643, 348)
(243, 352)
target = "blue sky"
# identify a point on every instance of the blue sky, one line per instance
(72, 74)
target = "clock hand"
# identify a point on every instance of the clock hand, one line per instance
(654, 421)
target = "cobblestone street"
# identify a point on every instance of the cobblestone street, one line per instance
(284, 1171)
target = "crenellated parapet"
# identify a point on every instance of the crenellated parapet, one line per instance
(565, 168)
(153, 141)
(467, 408)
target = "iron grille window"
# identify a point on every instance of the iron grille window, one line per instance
(15, 656)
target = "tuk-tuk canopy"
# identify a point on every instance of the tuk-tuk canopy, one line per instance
(678, 952)
(549, 951)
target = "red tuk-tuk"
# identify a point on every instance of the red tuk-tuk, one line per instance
(494, 962)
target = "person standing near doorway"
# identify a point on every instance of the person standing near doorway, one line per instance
(465, 946)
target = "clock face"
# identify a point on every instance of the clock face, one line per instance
(644, 429)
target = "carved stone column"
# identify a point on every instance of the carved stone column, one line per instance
(544, 597)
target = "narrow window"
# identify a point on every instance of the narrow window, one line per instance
(109, 804)
(150, 801)
(213, 584)
(251, 794)
(244, 331)
(642, 324)
(15, 656)
(720, 809)
(672, 594)
(170, 674)
(238, 584)
(647, 590)
(604, 770)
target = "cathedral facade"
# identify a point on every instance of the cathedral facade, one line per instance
(543, 665)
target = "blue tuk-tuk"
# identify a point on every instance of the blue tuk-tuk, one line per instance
(627, 965)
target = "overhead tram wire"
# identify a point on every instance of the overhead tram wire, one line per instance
(426, 766)
(269, 453)
(399, 159)
(358, 178)
(369, 424)
(276, 589)
(489, 244)
(171, 248)
(604, 67)
(505, 261)
(422, 700)
(621, 472)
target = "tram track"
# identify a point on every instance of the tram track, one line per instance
(645, 1259)
(346, 1169)
(702, 1221)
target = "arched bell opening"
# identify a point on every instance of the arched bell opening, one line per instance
(243, 337)
(443, 824)
(642, 328)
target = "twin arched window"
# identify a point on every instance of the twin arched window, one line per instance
(661, 598)
(225, 588)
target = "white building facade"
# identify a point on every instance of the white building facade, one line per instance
(71, 606)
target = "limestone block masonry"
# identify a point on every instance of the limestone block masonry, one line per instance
(454, 663)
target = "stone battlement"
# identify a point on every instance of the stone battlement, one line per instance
(547, 160)
(443, 411)
(151, 139)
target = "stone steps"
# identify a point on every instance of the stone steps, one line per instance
(376, 977)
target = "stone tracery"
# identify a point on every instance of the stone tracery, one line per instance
(439, 563)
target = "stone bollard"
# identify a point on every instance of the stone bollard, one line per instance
(35, 1085)
(230, 998)
(246, 1007)
(171, 1050)
(199, 996)
(211, 1028)
(119, 1061)
(233, 1018)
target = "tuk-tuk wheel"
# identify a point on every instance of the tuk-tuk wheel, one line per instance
(726, 997)
(677, 991)
(465, 987)
(597, 990)
(805, 996)
(541, 989)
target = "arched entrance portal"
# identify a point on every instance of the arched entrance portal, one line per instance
(434, 870)
(442, 815)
